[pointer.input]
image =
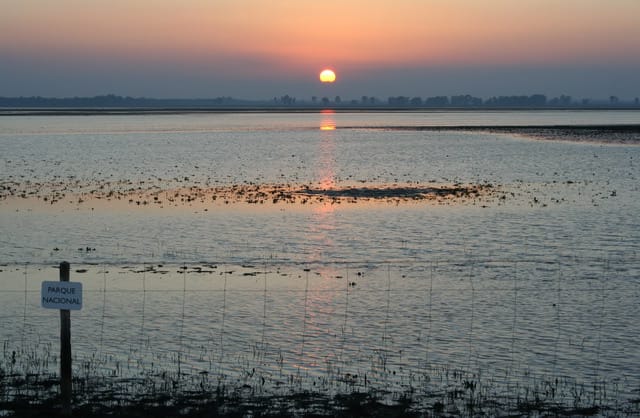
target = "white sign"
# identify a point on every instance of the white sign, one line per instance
(62, 295)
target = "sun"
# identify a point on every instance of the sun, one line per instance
(327, 76)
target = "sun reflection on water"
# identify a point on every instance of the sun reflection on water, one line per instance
(322, 222)
(321, 306)
(326, 171)
(328, 122)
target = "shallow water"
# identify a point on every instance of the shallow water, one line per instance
(576, 191)
(543, 283)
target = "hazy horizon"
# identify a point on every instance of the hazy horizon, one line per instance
(253, 50)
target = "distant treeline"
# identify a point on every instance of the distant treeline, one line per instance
(111, 100)
(535, 100)
(458, 101)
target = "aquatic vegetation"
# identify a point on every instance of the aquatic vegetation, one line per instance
(215, 346)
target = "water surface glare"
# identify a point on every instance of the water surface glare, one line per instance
(535, 281)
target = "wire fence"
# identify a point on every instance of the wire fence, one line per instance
(559, 332)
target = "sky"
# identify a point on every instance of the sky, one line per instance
(258, 49)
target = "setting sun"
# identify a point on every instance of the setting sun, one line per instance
(327, 76)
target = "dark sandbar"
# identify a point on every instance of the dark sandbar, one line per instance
(613, 134)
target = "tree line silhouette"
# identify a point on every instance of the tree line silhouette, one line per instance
(456, 101)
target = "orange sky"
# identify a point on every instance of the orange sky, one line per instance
(296, 36)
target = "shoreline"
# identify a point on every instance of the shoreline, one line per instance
(169, 110)
(628, 134)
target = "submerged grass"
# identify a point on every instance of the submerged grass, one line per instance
(27, 390)
(138, 380)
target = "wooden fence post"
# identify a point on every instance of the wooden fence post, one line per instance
(65, 348)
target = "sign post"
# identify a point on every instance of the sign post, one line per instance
(65, 346)
(65, 296)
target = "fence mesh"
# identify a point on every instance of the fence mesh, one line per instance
(489, 333)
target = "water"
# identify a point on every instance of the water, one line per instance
(541, 284)
(128, 152)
